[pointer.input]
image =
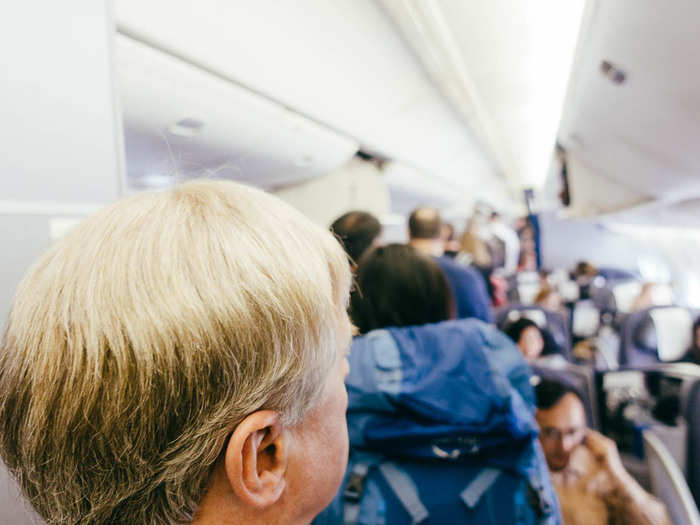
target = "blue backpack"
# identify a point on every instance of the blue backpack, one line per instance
(442, 431)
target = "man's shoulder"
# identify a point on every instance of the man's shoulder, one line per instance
(449, 265)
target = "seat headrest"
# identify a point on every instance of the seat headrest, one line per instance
(645, 335)
(625, 293)
(674, 327)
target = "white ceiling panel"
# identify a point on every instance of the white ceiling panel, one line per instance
(341, 64)
(242, 136)
(643, 133)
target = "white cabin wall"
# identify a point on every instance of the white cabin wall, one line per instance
(61, 143)
(594, 197)
(356, 186)
(61, 134)
(593, 243)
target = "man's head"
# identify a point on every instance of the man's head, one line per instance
(424, 223)
(584, 272)
(174, 345)
(358, 231)
(562, 420)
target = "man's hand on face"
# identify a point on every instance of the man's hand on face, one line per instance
(605, 452)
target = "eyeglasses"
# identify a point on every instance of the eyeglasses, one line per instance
(556, 434)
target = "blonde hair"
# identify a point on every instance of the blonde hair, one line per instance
(472, 244)
(138, 342)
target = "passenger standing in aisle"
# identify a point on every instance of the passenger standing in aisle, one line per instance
(468, 286)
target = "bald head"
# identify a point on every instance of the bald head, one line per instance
(424, 223)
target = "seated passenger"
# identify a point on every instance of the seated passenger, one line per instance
(179, 358)
(585, 273)
(652, 294)
(548, 298)
(359, 231)
(468, 286)
(587, 472)
(527, 336)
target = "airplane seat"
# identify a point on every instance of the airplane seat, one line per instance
(656, 334)
(554, 326)
(585, 319)
(667, 482)
(691, 402)
(580, 378)
(527, 285)
(616, 295)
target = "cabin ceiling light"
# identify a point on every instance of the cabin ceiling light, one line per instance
(186, 127)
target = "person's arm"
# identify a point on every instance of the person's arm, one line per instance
(627, 500)
(479, 296)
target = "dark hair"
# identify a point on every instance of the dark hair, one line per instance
(696, 325)
(398, 286)
(549, 392)
(585, 269)
(515, 329)
(356, 231)
(424, 223)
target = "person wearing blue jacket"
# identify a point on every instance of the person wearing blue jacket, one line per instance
(440, 411)
(469, 289)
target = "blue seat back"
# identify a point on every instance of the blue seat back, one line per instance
(640, 336)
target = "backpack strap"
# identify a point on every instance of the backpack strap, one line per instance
(352, 494)
(538, 499)
(478, 486)
(405, 490)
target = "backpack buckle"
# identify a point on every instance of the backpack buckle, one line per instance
(537, 500)
(356, 483)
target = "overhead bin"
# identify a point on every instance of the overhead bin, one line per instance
(342, 64)
(182, 121)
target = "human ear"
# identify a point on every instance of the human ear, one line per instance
(256, 459)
